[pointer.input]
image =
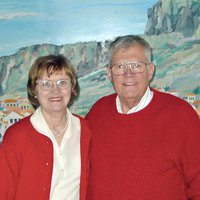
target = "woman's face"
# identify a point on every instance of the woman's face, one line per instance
(54, 92)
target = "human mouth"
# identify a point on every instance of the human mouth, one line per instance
(129, 84)
(55, 98)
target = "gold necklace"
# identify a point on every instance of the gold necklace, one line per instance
(57, 133)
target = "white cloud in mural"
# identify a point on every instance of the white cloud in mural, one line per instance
(16, 15)
(24, 23)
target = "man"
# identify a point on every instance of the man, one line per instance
(145, 144)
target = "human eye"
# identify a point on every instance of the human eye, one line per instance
(63, 83)
(46, 83)
(136, 65)
(121, 66)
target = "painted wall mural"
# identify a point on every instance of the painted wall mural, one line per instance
(82, 30)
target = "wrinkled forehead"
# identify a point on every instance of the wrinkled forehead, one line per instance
(131, 53)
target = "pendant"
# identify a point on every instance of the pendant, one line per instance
(58, 134)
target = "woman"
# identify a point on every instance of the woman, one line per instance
(45, 155)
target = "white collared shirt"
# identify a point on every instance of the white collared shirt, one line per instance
(65, 183)
(146, 99)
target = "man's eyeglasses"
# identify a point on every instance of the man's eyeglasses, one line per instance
(48, 84)
(136, 67)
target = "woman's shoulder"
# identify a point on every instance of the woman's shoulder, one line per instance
(18, 130)
(84, 123)
(22, 124)
(81, 118)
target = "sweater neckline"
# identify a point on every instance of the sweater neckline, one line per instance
(148, 109)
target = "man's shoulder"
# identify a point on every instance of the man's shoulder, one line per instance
(168, 97)
(102, 104)
(106, 98)
(171, 101)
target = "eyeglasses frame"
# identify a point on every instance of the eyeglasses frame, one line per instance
(128, 64)
(53, 83)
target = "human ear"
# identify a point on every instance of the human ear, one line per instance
(151, 69)
(108, 72)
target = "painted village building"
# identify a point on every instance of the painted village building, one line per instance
(11, 111)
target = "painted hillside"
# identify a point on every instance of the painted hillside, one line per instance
(176, 55)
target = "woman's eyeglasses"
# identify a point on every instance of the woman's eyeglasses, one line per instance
(48, 84)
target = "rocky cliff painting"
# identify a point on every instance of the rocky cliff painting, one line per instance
(172, 28)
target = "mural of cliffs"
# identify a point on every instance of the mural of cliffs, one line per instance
(173, 30)
(85, 56)
(174, 16)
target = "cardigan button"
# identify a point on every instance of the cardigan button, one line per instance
(47, 164)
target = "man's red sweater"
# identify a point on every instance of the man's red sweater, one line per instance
(153, 154)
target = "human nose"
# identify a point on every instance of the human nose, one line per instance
(129, 70)
(55, 87)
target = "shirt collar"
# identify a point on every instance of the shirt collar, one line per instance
(146, 99)
(41, 126)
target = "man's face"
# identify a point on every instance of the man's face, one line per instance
(130, 86)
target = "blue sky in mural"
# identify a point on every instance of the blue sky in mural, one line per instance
(24, 23)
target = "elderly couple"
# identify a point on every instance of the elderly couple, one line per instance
(135, 144)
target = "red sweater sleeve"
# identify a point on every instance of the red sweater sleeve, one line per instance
(23, 157)
(10, 164)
